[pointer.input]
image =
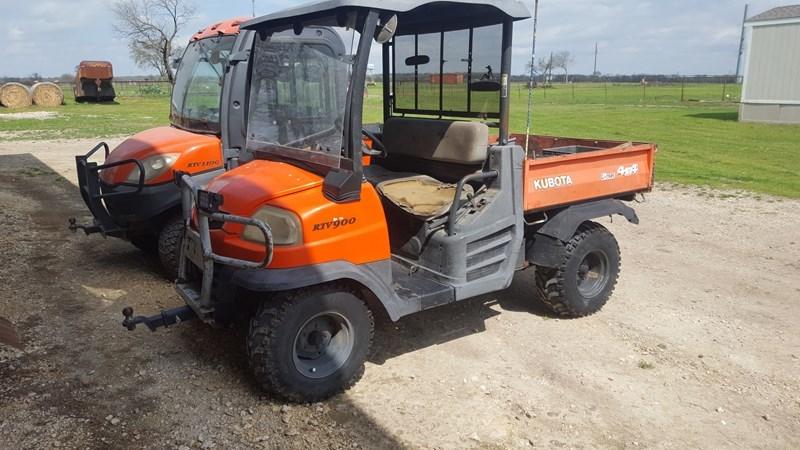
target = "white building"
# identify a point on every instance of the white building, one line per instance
(771, 90)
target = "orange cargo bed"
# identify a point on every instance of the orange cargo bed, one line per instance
(563, 171)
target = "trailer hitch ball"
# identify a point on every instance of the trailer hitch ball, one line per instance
(128, 323)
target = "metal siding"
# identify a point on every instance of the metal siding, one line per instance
(783, 114)
(773, 72)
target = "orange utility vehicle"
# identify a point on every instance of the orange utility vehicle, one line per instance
(131, 194)
(311, 242)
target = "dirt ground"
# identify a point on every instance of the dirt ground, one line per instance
(698, 348)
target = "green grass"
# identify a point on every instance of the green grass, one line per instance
(127, 116)
(700, 143)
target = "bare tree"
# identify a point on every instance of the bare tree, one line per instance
(562, 60)
(150, 27)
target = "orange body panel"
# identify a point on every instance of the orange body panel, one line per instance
(355, 232)
(613, 170)
(226, 27)
(198, 153)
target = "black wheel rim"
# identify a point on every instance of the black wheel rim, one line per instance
(593, 274)
(323, 345)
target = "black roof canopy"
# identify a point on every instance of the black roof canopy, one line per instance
(414, 16)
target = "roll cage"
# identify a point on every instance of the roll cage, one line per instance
(414, 18)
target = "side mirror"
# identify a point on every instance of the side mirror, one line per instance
(419, 60)
(384, 33)
(175, 63)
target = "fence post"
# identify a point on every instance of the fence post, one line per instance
(724, 88)
(573, 92)
(683, 86)
(605, 87)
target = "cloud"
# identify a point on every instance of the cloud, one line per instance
(634, 36)
(15, 34)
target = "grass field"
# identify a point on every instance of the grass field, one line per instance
(700, 140)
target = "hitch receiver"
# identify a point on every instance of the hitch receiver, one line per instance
(165, 319)
(88, 229)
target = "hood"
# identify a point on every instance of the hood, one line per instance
(198, 153)
(247, 187)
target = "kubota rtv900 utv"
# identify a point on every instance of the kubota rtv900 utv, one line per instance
(445, 210)
(131, 194)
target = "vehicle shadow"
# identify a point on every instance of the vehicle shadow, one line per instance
(727, 116)
(455, 321)
(210, 362)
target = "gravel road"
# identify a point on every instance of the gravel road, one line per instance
(698, 348)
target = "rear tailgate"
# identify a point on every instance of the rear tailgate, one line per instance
(606, 172)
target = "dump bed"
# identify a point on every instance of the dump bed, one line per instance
(563, 171)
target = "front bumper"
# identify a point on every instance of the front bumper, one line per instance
(97, 196)
(196, 251)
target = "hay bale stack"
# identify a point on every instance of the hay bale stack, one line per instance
(15, 95)
(47, 94)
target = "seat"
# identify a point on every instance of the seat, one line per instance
(425, 158)
(421, 195)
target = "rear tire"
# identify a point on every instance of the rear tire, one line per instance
(585, 279)
(310, 344)
(169, 245)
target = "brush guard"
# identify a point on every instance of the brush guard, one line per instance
(196, 247)
(93, 196)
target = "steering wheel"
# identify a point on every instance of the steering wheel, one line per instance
(377, 145)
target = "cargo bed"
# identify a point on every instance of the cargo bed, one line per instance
(562, 171)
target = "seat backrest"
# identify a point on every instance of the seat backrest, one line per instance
(444, 141)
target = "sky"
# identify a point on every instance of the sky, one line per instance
(684, 37)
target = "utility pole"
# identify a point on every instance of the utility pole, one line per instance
(595, 60)
(741, 44)
(254, 7)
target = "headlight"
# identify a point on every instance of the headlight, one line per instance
(153, 166)
(285, 226)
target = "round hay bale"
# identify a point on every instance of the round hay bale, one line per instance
(15, 95)
(47, 94)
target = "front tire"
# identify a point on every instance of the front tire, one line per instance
(310, 344)
(585, 279)
(169, 245)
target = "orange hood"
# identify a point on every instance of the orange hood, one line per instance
(248, 187)
(198, 153)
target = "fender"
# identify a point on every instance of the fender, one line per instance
(545, 247)
(376, 277)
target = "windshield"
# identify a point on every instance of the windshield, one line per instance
(198, 84)
(298, 93)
